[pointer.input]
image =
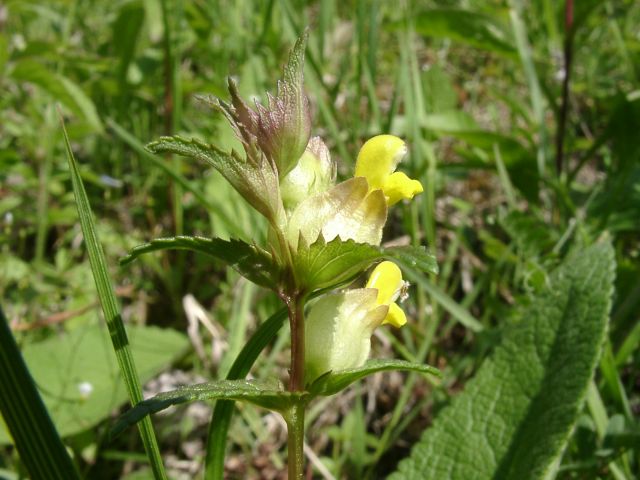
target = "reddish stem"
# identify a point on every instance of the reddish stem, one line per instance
(564, 107)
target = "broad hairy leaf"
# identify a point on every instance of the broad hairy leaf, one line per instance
(267, 394)
(249, 260)
(515, 416)
(323, 264)
(333, 382)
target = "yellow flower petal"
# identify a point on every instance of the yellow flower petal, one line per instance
(387, 279)
(395, 317)
(378, 158)
(338, 331)
(400, 187)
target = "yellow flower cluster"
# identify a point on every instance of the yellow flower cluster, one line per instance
(340, 325)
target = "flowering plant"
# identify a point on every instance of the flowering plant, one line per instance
(322, 235)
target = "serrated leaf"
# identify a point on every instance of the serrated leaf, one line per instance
(324, 264)
(249, 260)
(256, 181)
(333, 382)
(267, 394)
(514, 418)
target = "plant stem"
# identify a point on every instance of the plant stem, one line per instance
(568, 56)
(295, 416)
(295, 305)
(295, 440)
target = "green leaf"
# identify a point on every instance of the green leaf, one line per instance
(256, 181)
(333, 382)
(35, 436)
(468, 27)
(63, 365)
(514, 418)
(250, 261)
(60, 88)
(269, 395)
(109, 304)
(324, 264)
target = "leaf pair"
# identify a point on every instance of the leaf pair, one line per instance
(316, 266)
(266, 394)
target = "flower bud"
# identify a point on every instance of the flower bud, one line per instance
(314, 173)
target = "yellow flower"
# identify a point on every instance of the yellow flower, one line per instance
(339, 325)
(355, 209)
(377, 162)
(387, 279)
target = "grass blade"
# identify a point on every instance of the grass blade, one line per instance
(36, 438)
(535, 91)
(221, 418)
(458, 312)
(111, 311)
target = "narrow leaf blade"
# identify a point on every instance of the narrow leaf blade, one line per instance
(467, 27)
(35, 436)
(111, 311)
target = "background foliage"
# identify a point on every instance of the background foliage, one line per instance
(474, 88)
